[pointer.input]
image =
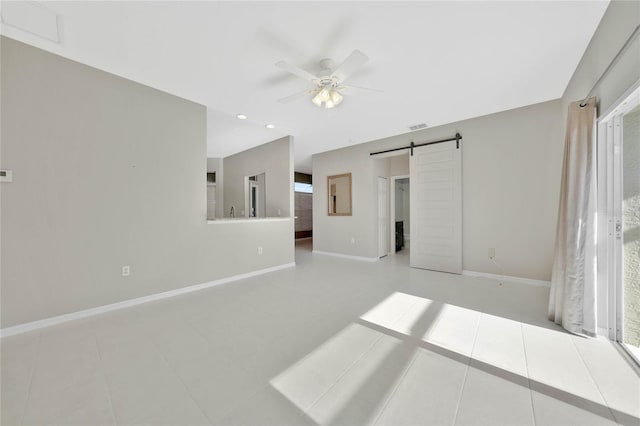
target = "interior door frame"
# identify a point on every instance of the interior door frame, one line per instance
(392, 209)
(387, 250)
(610, 251)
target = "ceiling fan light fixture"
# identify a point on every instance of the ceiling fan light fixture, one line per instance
(336, 97)
(327, 98)
(324, 95)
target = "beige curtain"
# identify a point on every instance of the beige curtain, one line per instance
(572, 300)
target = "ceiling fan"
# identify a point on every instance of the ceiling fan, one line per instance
(328, 88)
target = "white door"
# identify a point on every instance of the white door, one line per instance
(383, 217)
(436, 207)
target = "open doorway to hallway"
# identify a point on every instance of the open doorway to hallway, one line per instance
(401, 218)
(303, 205)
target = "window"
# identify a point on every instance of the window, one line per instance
(303, 187)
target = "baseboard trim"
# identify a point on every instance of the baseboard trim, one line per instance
(347, 256)
(48, 322)
(509, 278)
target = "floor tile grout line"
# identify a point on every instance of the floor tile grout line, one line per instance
(408, 366)
(187, 322)
(395, 388)
(526, 365)
(104, 377)
(466, 372)
(227, 357)
(595, 383)
(375, 342)
(33, 372)
(177, 376)
(339, 378)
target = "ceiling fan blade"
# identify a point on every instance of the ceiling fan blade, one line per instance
(349, 86)
(352, 63)
(296, 71)
(299, 95)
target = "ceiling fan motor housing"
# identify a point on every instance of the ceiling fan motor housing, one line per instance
(328, 82)
(327, 64)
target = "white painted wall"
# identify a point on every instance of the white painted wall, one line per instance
(108, 172)
(511, 179)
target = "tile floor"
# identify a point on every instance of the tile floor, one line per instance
(331, 341)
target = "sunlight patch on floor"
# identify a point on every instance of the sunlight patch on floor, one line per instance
(353, 375)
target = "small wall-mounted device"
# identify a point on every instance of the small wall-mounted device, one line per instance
(6, 176)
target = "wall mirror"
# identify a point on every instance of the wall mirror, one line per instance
(339, 190)
(255, 196)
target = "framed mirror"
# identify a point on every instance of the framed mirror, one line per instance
(339, 190)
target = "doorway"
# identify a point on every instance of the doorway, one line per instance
(619, 210)
(303, 193)
(400, 213)
(383, 216)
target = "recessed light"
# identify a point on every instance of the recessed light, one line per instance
(241, 116)
(269, 126)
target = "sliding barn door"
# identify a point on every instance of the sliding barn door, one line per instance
(436, 207)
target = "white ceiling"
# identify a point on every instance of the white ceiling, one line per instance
(436, 62)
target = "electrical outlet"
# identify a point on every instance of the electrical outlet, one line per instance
(259, 250)
(492, 252)
(126, 271)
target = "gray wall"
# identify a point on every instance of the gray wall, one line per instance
(274, 160)
(511, 178)
(107, 173)
(399, 164)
